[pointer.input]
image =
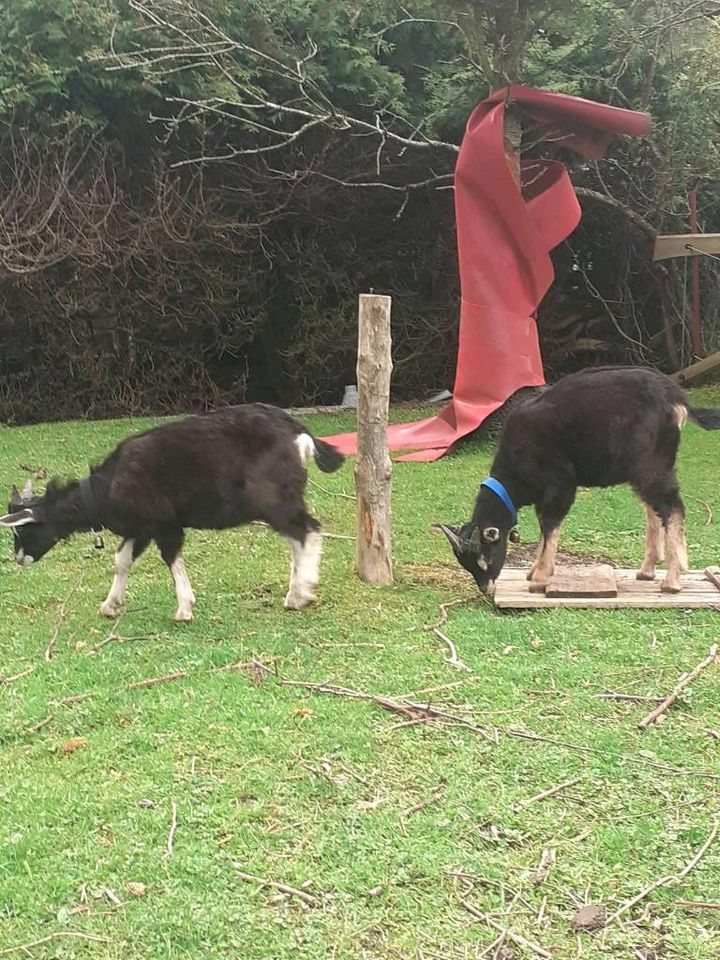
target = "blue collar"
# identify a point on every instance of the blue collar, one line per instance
(499, 490)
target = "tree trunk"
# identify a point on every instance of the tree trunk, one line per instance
(373, 471)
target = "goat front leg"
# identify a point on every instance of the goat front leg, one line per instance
(654, 545)
(304, 570)
(171, 550)
(128, 553)
(551, 515)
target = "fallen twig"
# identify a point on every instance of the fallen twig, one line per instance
(332, 493)
(697, 905)
(633, 698)
(452, 603)
(709, 511)
(453, 660)
(509, 934)
(408, 709)
(550, 792)
(664, 881)
(254, 667)
(685, 680)
(423, 803)
(38, 726)
(173, 830)
(50, 649)
(154, 681)
(546, 861)
(16, 676)
(76, 934)
(281, 887)
(110, 637)
(420, 713)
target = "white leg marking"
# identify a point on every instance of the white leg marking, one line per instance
(183, 590)
(676, 553)
(654, 545)
(306, 447)
(680, 415)
(123, 563)
(304, 572)
(544, 566)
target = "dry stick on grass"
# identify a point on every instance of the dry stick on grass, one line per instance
(16, 676)
(411, 711)
(332, 493)
(509, 934)
(50, 649)
(633, 698)
(453, 603)
(173, 830)
(709, 510)
(685, 680)
(453, 660)
(426, 713)
(546, 861)
(38, 726)
(664, 881)
(70, 934)
(697, 905)
(281, 887)
(550, 793)
(154, 681)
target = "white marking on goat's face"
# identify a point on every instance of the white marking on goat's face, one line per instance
(24, 559)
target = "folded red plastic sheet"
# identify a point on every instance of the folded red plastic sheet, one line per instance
(504, 241)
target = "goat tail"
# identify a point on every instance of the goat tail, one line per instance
(706, 417)
(326, 457)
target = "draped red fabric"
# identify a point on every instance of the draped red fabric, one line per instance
(504, 238)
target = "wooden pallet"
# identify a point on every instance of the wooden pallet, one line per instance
(512, 592)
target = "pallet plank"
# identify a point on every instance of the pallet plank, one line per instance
(512, 592)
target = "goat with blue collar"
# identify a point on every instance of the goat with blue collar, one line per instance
(598, 428)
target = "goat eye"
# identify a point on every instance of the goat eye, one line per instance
(491, 534)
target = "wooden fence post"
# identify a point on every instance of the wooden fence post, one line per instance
(373, 470)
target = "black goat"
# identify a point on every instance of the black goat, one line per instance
(597, 428)
(213, 471)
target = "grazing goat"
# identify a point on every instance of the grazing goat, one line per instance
(210, 472)
(597, 428)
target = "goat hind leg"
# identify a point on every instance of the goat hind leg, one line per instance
(654, 545)
(305, 570)
(171, 549)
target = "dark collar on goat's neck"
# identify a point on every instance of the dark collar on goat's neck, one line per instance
(490, 483)
(90, 506)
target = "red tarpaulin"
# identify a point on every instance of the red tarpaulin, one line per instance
(504, 242)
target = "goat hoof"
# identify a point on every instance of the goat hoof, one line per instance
(109, 610)
(644, 576)
(670, 587)
(294, 601)
(183, 616)
(537, 586)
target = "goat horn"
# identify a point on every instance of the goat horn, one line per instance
(27, 490)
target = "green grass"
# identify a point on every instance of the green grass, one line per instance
(275, 780)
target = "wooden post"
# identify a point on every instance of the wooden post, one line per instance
(373, 470)
(695, 330)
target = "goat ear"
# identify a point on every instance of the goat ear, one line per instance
(491, 534)
(452, 533)
(15, 496)
(18, 519)
(514, 536)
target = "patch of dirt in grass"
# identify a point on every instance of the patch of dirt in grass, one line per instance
(524, 556)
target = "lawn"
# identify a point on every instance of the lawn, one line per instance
(409, 840)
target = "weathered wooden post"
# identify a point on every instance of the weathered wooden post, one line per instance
(373, 470)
